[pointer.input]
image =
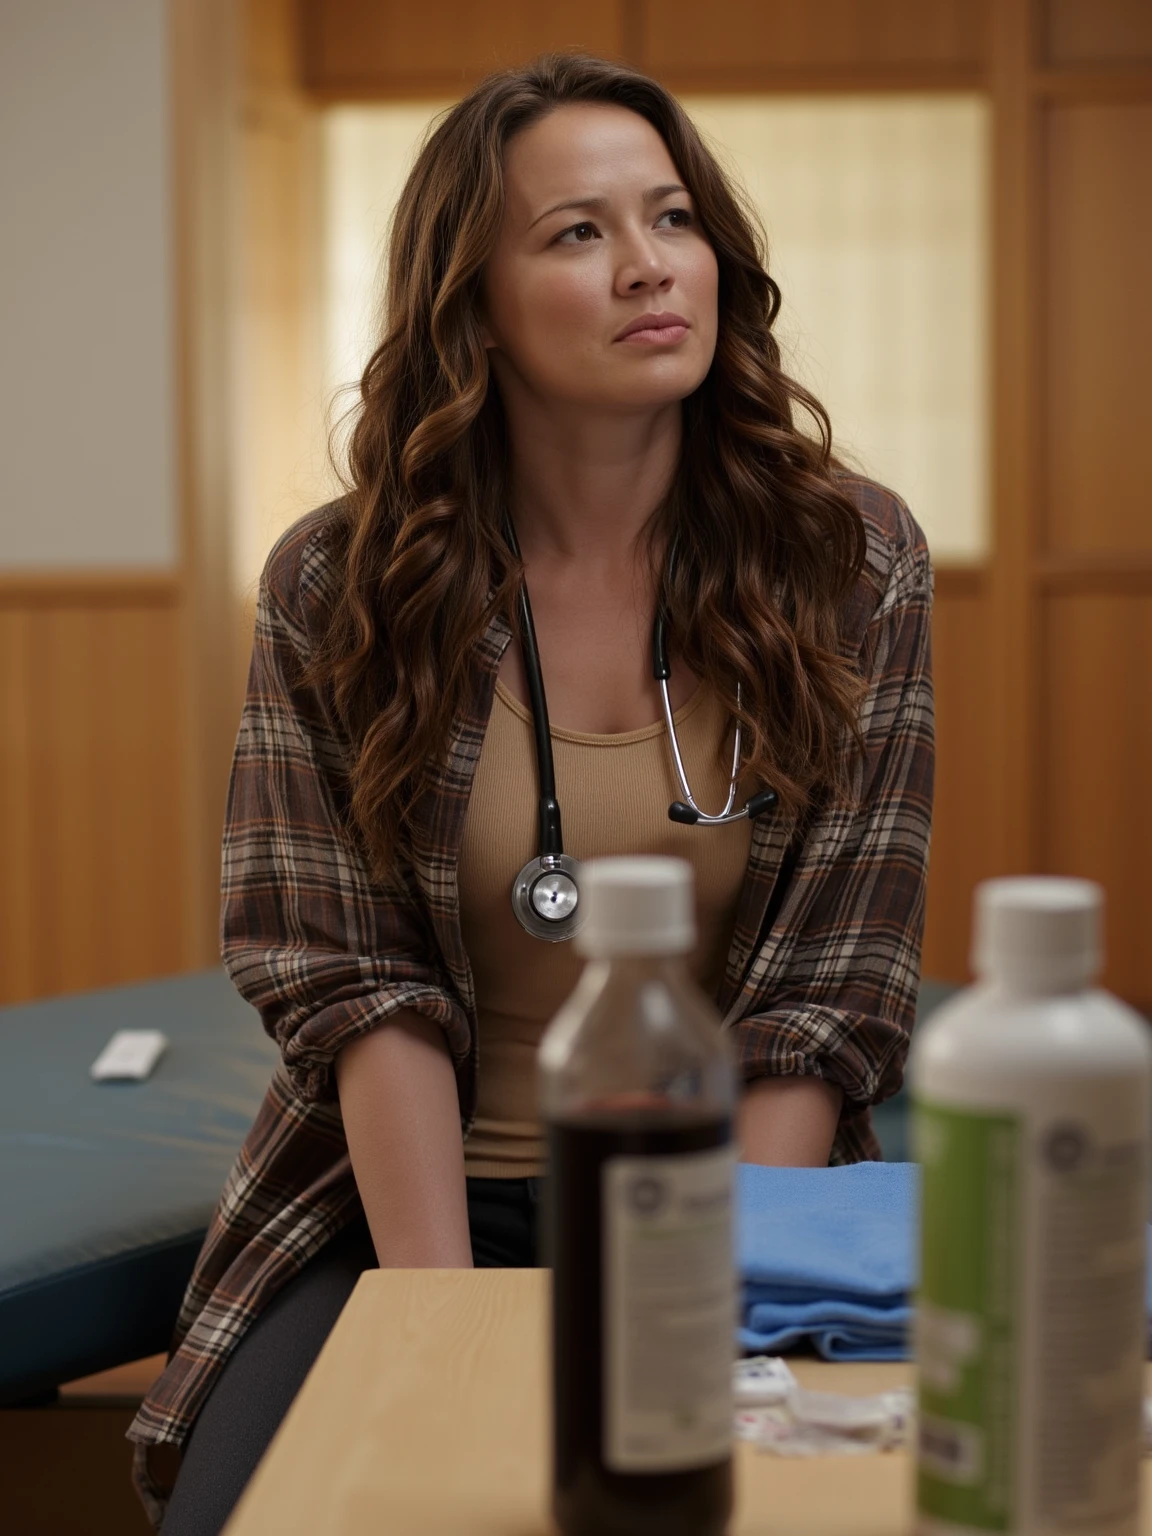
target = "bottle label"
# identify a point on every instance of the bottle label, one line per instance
(669, 1294)
(1030, 1321)
(966, 1324)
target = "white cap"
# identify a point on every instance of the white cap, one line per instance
(1040, 934)
(641, 906)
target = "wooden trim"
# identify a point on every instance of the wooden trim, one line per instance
(90, 589)
(841, 81)
(785, 82)
(632, 32)
(408, 87)
(1123, 82)
(1119, 572)
(204, 53)
(961, 581)
(1015, 710)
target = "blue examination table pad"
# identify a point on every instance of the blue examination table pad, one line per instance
(106, 1189)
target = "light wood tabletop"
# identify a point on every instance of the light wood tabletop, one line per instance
(427, 1415)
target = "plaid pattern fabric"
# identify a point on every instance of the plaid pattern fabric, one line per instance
(326, 954)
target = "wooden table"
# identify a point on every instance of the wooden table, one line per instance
(427, 1415)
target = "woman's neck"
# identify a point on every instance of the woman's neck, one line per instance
(584, 485)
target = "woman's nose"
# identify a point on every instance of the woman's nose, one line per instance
(643, 265)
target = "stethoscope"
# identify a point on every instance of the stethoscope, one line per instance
(546, 892)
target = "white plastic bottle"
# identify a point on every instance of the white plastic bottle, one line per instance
(1032, 1092)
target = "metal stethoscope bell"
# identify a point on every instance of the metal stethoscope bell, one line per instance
(546, 897)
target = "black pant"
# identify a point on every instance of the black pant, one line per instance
(267, 1368)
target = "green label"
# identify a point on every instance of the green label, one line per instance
(966, 1336)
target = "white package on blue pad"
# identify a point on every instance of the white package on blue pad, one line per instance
(130, 1056)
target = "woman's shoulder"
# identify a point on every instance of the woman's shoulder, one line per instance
(304, 569)
(896, 562)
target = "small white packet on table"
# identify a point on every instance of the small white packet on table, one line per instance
(129, 1057)
(779, 1415)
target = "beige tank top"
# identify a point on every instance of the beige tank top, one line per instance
(614, 793)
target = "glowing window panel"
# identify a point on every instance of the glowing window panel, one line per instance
(876, 214)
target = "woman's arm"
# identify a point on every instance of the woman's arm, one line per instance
(830, 998)
(789, 1122)
(402, 1120)
(325, 952)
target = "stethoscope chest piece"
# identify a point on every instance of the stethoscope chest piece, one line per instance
(546, 897)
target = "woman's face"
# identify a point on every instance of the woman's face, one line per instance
(601, 290)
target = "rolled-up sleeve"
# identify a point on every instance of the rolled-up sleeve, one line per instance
(320, 949)
(832, 991)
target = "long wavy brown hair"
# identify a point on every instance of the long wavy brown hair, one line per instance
(768, 546)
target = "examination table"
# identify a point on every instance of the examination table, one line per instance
(106, 1189)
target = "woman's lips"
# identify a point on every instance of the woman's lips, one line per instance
(664, 329)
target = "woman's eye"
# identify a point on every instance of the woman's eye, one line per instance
(579, 234)
(678, 218)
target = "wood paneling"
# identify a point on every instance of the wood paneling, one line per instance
(963, 847)
(683, 39)
(69, 1469)
(1016, 259)
(355, 47)
(1098, 326)
(205, 42)
(1096, 31)
(93, 795)
(277, 332)
(1097, 810)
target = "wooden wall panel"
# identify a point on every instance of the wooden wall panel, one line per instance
(1097, 31)
(205, 38)
(699, 45)
(279, 451)
(93, 795)
(963, 851)
(1098, 326)
(382, 47)
(1097, 735)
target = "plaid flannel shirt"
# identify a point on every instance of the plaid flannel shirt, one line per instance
(325, 953)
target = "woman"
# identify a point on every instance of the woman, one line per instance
(579, 364)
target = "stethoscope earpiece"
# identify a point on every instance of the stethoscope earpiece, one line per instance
(688, 815)
(546, 892)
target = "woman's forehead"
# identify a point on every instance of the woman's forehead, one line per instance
(581, 152)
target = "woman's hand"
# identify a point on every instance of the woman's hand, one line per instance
(788, 1122)
(402, 1121)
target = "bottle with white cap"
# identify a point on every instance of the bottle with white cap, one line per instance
(638, 1089)
(1032, 1091)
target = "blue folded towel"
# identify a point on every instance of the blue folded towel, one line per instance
(827, 1255)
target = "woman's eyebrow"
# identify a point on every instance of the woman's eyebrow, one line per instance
(598, 204)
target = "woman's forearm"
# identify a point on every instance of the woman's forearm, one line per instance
(402, 1121)
(788, 1121)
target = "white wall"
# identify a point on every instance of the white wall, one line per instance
(87, 381)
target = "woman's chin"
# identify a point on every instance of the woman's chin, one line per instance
(643, 390)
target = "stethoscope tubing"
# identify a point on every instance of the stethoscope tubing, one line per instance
(702, 818)
(546, 892)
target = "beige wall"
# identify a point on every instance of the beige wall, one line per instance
(87, 360)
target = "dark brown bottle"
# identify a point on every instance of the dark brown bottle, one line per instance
(637, 1086)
